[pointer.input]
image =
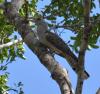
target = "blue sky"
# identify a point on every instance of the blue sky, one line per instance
(37, 79)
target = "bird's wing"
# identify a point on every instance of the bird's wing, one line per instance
(56, 41)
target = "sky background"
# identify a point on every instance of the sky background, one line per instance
(37, 79)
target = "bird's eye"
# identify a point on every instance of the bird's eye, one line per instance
(38, 18)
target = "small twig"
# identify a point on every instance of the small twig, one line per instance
(10, 43)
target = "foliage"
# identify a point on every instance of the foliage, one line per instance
(8, 54)
(3, 83)
(71, 13)
(6, 30)
(4, 87)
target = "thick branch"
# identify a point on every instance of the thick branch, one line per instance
(10, 43)
(45, 57)
(59, 74)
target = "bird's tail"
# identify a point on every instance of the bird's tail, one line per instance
(72, 60)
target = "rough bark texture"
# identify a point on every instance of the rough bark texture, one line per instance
(58, 73)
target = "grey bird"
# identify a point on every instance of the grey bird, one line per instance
(53, 42)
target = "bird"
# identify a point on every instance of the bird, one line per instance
(56, 44)
(17, 4)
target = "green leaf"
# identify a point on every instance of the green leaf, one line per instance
(94, 46)
(73, 38)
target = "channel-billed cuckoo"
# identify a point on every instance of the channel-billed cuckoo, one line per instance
(56, 44)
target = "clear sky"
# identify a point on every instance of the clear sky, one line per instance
(37, 79)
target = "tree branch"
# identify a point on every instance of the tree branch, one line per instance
(84, 44)
(10, 43)
(59, 74)
(86, 32)
(79, 86)
(98, 91)
(78, 25)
